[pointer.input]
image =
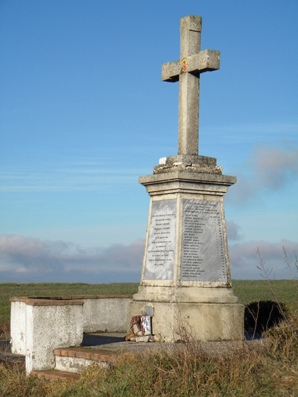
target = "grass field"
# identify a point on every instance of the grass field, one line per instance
(246, 290)
(186, 373)
(9, 290)
(256, 290)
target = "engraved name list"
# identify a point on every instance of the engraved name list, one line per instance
(160, 255)
(203, 252)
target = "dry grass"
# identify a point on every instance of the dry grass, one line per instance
(4, 331)
(186, 372)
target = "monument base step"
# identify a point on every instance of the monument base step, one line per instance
(76, 359)
(12, 359)
(73, 358)
(53, 374)
(212, 294)
(172, 321)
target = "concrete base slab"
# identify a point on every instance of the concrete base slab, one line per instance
(185, 294)
(211, 349)
(174, 321)
(76, 359)
(53, 374)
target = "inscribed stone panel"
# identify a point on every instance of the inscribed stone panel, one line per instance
(160, 255)
(203, 251)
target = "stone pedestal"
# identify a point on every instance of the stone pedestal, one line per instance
(186, 280)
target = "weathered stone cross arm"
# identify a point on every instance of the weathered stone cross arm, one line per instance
(204, 61)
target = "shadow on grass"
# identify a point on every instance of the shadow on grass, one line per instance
(260, 316)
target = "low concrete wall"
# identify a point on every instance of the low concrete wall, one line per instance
(40, 325)
(18, 325)
(106, 313)
(50, 325)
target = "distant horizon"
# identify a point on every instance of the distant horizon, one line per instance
(131, 282)
(24, 281)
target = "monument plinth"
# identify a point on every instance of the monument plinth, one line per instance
(186, 279)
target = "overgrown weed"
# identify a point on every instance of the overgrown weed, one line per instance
(187, 371)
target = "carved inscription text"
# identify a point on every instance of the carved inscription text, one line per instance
(160, 254)
(203, 251)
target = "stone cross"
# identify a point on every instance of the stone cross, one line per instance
(187, 70)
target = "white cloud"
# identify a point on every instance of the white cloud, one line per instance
(244, 258)
(270, 168)
(31, 259)
(274, 167)
(37, 258)
(233, 231)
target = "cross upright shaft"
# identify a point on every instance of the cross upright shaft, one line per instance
(187, 70)
(189, 88)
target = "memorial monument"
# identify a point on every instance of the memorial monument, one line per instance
(186, 279)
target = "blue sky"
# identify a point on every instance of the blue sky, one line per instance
(84, 113)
